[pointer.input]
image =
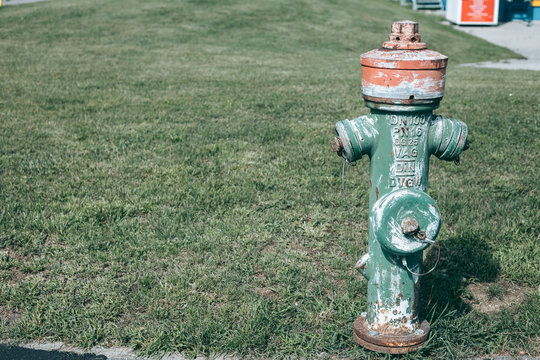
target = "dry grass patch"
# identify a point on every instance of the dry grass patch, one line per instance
(489, 298)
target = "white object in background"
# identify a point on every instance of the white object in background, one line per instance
(473, 12)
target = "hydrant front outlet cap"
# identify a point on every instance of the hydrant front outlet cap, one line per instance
(413, 207)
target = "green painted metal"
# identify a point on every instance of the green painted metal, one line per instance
(399, 141)
(402, 83)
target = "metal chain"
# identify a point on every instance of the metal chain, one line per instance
(343, 188)
(404, 261)
(346, 200)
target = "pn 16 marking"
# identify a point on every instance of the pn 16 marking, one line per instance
(407, 131)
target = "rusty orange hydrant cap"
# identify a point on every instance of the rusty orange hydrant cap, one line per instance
(403, 71)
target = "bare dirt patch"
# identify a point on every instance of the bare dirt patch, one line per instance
(489, 298)
(266, 293)
(9, 315)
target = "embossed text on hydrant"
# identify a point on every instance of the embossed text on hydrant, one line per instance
(407, 133)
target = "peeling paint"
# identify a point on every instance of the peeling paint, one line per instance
(403, 84)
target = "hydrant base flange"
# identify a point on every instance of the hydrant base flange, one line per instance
(389, 344)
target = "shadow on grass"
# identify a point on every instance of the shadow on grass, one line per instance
(464, 258)
(12, 352)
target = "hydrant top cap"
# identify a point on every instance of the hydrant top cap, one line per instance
(403, 71)
(404, 50)
(404, 59)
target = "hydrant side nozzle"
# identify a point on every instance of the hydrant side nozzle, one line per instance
(447, 138)
(356, 137)
(351, 149)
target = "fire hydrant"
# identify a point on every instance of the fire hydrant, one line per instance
(402, 83)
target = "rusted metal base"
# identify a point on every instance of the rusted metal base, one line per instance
(389, 344)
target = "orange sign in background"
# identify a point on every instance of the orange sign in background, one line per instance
(477, 10)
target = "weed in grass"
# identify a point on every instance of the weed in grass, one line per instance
(496, 291)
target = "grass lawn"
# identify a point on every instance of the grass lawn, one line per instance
(167, 182)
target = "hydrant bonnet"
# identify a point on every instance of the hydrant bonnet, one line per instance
(403, 71)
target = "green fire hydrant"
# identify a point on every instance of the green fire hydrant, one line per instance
(402, 83)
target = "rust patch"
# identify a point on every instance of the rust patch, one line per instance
(409, 225)
(393, 101)
(403, 84)
(404, 35)
(337, 145)
(427, 80)
(390, 329)
(376, 193)
(402, 343)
